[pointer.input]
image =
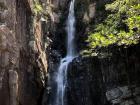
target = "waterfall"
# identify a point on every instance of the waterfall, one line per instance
(71, 31)
(61, 78)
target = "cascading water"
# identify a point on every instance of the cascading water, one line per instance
(61, 78)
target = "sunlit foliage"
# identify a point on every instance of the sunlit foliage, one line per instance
(37, 7)
(121, 27)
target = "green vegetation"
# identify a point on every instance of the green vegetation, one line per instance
(42, 10)
(121, 27)
(37, 7)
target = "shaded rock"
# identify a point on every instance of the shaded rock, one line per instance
(105, 80)
(113, 94)
(13, 85)
(128, 96)
(9, 57)
(32, 45)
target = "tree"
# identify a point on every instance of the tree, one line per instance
(121, 27)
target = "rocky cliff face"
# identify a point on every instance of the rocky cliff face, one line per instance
(31, 46)
(112, 79)
(22, 54)
(29, 36)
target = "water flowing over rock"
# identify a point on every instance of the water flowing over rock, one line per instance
(61, 75)
(39, 64)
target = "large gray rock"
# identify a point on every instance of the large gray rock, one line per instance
(113, 94)
(123, 95)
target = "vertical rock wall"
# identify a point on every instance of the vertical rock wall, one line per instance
(23, 61)
(110, 79)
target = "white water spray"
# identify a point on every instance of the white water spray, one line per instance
(61, 78)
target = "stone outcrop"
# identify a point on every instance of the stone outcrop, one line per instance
(27, 42)
(23, 57)
(124, 95)
(9, 55)
(106, 80)
(13, 86)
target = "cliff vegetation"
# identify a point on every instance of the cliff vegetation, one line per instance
(121, 27)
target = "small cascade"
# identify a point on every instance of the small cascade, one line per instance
(61, 78)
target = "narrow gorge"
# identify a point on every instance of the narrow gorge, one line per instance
(69, 52)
